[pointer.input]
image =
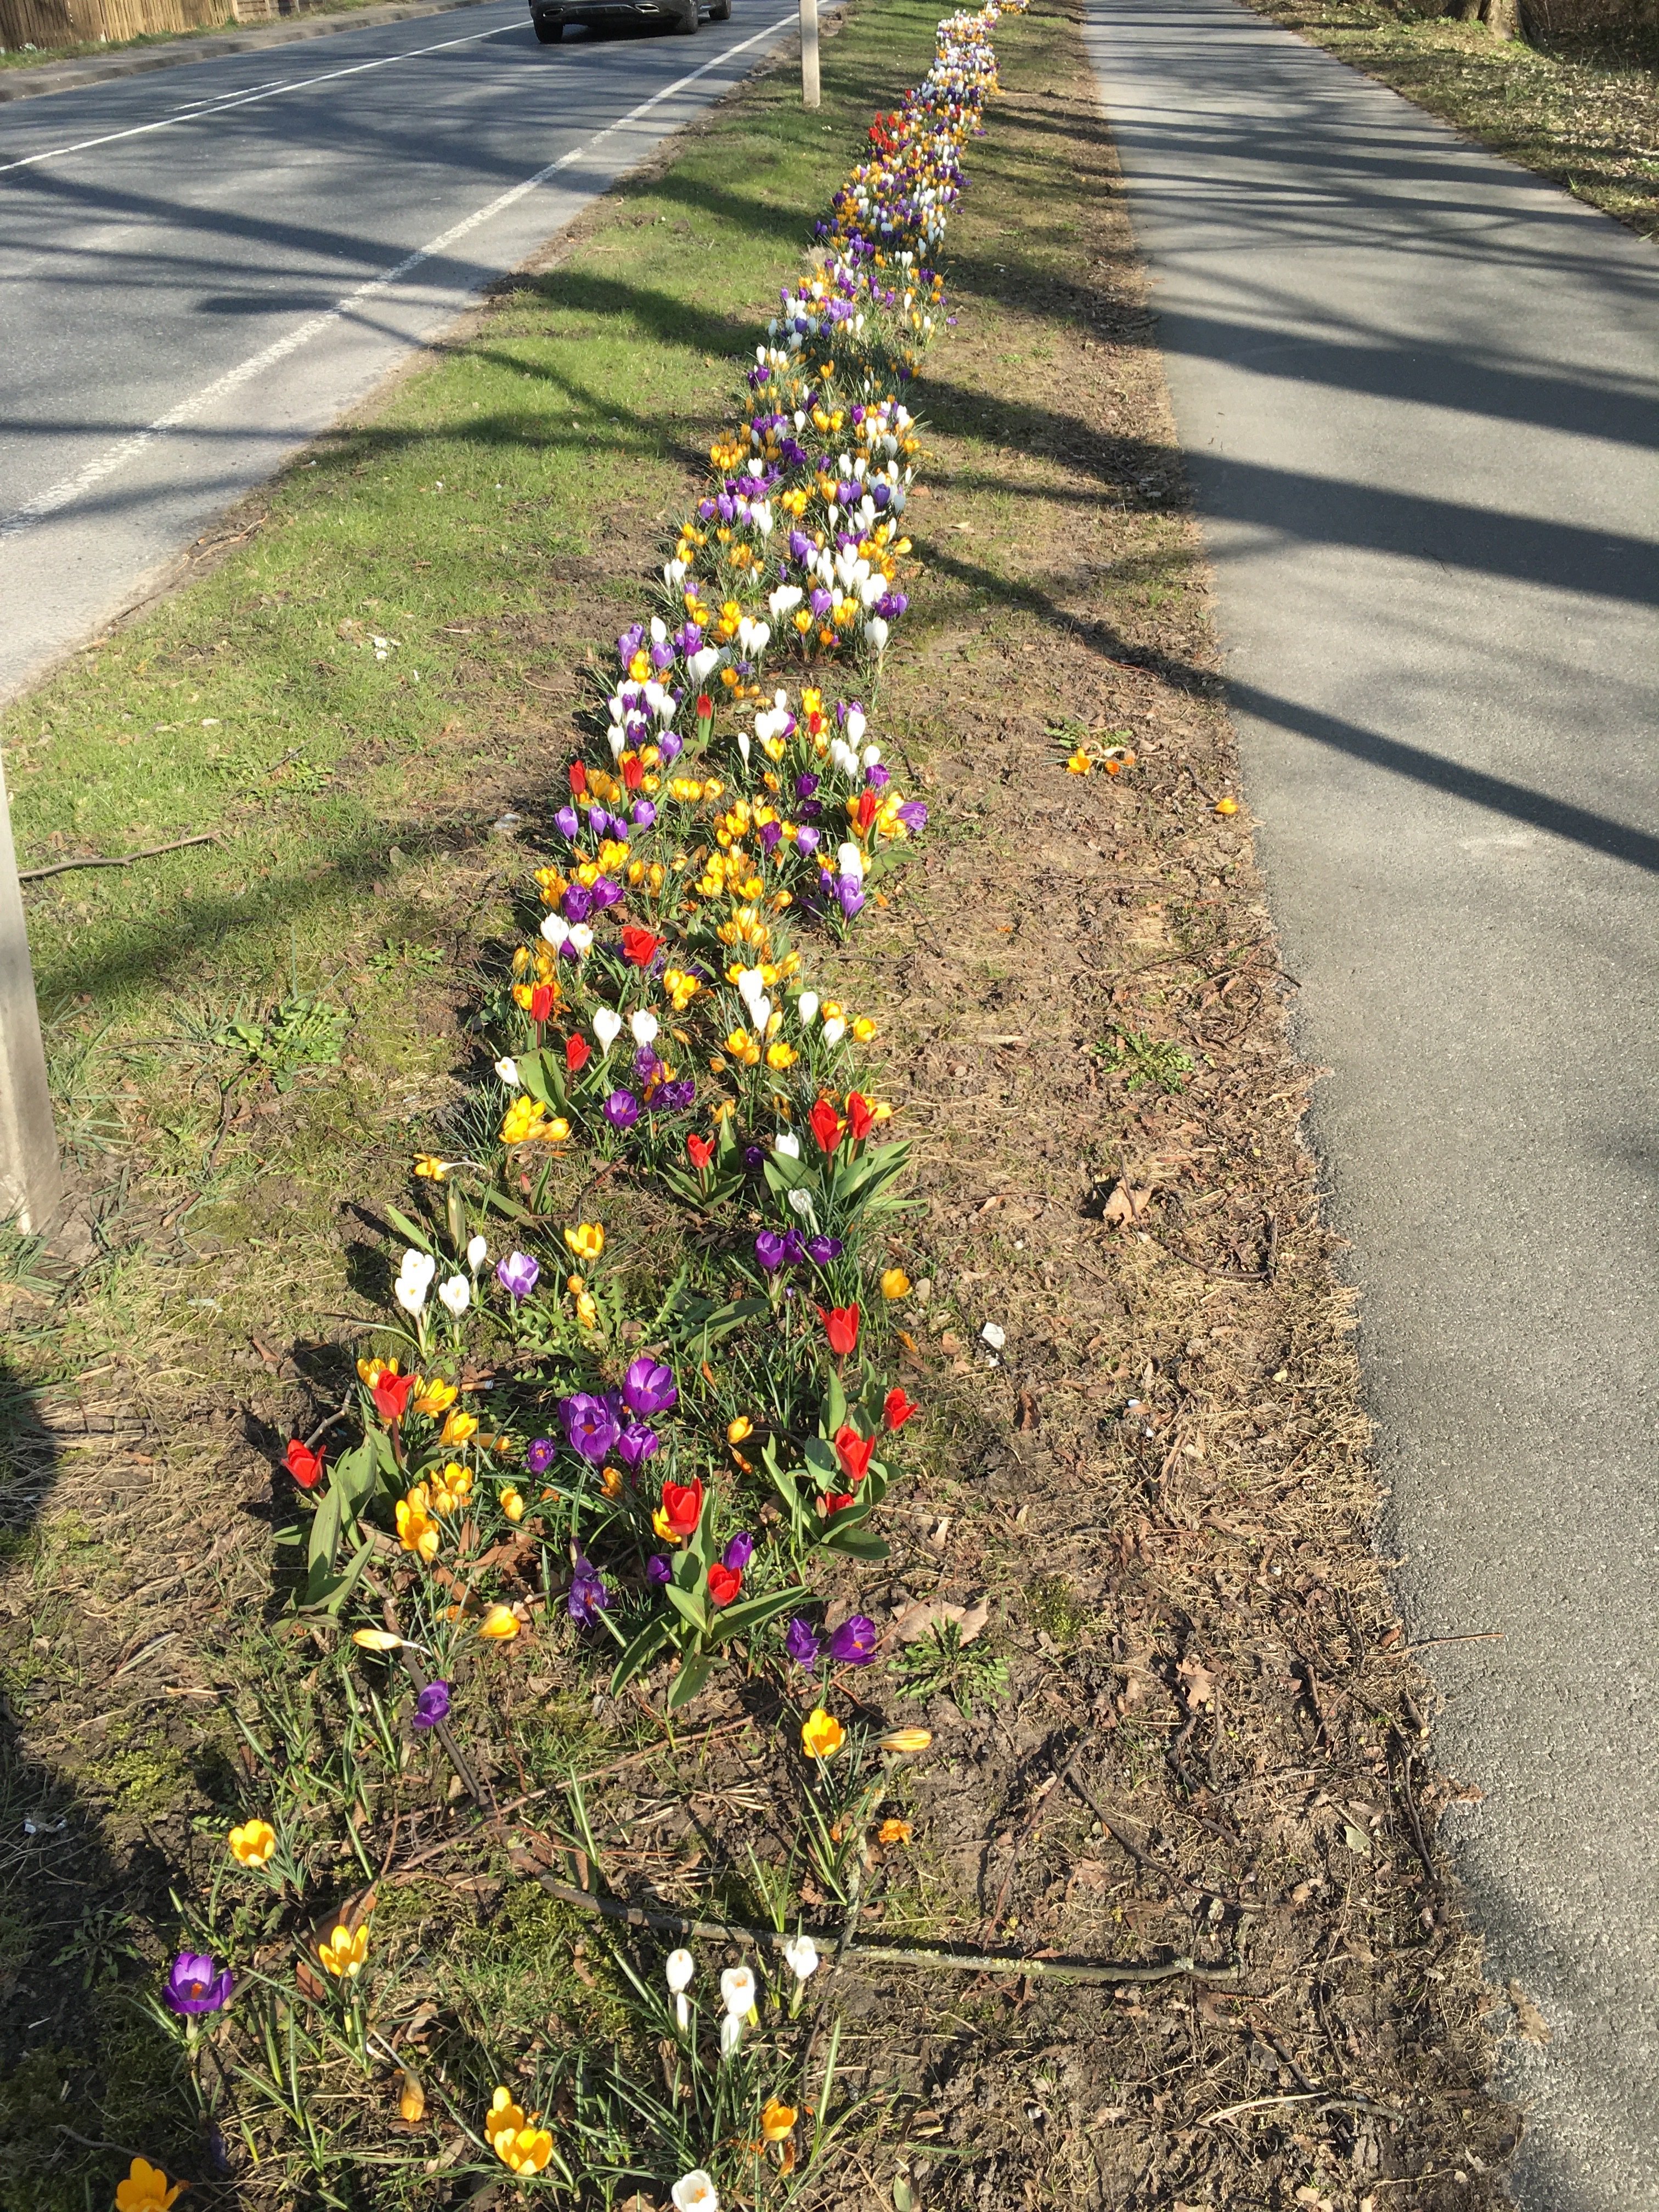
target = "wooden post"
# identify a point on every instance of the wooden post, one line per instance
(809, 53)
(30, 1181)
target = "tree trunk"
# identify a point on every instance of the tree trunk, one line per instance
(1502, 18)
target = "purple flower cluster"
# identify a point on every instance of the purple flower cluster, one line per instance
(614, 1426)
(588, 1597)
(778, 1248)
(852, 1644)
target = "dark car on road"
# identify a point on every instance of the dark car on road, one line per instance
(550, 17)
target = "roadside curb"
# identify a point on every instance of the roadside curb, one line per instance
(96, 69)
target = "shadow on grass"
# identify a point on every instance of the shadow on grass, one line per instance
(87, 2083)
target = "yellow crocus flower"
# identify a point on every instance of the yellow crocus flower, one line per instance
(822, 1734)
(585, 1239)
(145, 2189)
(253, 1843)
(343, 1954)
(458, 1427)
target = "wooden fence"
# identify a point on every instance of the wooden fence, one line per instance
(46, 23)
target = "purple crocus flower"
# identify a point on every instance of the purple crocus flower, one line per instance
(770, 1250)
(622, 1108)
(877, 776)
(518, 1274)
(805, 785)
(821, 1251)
(194, 1986)
(914, 815)
(770, 833)
(649, 1387)
(679, 1095)
(590, 1425)
(658, 1571)
(634, 1445)
(646, 1066)
(662, 656)
(565, 821)
(801, 1641)
(645, 814)
(820, 601)
(629, 642)
(793, 1250)
(853, 1643)
(431, 1707)
(588, 1595)
(807, 840)
(739, 1552)
(577, 903)
(850, 892)
(604, 892)
(541, 1456)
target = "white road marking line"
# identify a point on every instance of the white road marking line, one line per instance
(69, 489)
(223, 106)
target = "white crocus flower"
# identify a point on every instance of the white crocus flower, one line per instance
(743, 745)
(508, 1071)
(673, 574)
(850, 862)
(607, 1027)
(855, 725)
(456, 1294)
(644, 1026)
(703, 662)
(801, 1200)
(658, 629)
(477, 1252)
(752, 986)
(738, 1991)
(833, 1031)
(414, 1280)
(762, 1010)
(802, 1957)
(680, 1968)
(555, 929)
(876, 630)
(618, 737)
(787, 1147)
(580, 941)
(871, 755)
(806, 1008)
(695, 2192)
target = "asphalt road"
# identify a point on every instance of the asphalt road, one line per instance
(1417, 392)
(201, 270)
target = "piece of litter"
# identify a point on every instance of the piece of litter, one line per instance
(995, 1337)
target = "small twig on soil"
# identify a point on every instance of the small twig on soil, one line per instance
(121, 861)
(892, 1954)
(1300, 2096)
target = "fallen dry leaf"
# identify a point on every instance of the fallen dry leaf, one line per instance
(1197, 1685)
(912, 1622)
(1530, 2024)
(1125, 1205)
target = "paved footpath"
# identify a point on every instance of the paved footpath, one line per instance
(201, 270)
(1417, 392)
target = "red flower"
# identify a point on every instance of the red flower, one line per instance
(867, 804)
(853, 1452)
(682, 1507)
(826, 1125)
(861, 1116)
(306, 1467)
(577, 1053)
(578, 778)
(639, 945)
(391, 1394)
(541, 1002)
(723, 1583)
(838, 1501)
(633, 769)
(702, 1150)
(897, 1409)
(705, 707)
(841, 1326)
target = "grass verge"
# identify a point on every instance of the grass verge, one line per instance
(1588, 123)
(1195, 1733)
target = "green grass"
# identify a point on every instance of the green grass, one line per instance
(248, 1039)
